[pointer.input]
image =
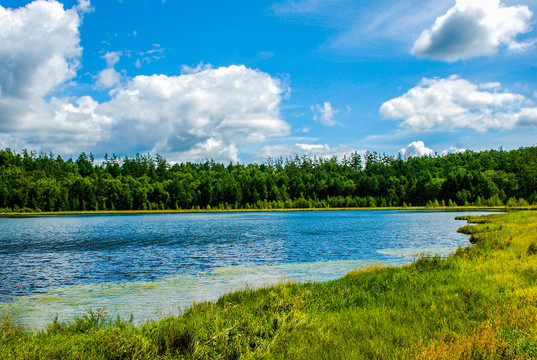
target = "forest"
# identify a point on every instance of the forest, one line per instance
(43, 182)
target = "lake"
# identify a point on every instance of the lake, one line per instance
(152, 265)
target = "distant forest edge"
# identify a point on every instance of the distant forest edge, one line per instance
(31, 182)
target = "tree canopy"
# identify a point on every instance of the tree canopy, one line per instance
(43, 182)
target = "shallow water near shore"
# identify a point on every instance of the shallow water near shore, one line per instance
(153, 265)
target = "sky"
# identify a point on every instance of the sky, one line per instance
(242, 81)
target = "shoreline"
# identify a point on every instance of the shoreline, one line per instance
(202, 211)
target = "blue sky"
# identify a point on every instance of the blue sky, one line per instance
(244, 80)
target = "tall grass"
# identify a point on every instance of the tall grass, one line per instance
(479, 303)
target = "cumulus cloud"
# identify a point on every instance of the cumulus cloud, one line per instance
(189, 117)
(39, 49)
(527, 117)
(474, 28)
(415, 149)
(457, 103)
(60, 125)
(324, 114)
(204, 114)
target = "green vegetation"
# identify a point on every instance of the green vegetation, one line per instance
(479, 303)
(31, 182)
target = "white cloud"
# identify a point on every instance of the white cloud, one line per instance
(39, 49)
(474, 28)
(84, 6)
(109, 77)
(205, 114)
(452, 150)
(527, 117)
(185, 69)
(364, 24)
(112, 58)
(457, 103)
(490, 86)
(212, 148)
(149, 56)
(400, 18)
(324, 114)
(59, 125)
(415, 149)
(310, 147)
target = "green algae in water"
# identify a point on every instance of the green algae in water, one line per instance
(415, 252)
(153, 300)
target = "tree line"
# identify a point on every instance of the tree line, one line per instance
(43, 182)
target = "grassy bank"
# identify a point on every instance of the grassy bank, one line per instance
(480, 303)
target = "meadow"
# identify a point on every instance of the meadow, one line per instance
(479, 303)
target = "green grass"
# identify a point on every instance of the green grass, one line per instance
(480, 303)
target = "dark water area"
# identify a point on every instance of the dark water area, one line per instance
(41, 254)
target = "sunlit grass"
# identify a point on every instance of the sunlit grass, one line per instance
(479, 303)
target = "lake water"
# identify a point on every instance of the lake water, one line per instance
(153, 265)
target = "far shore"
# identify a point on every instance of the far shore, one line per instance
(189, 211)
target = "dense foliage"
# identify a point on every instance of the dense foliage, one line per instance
(43, 182)
(479, 303)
